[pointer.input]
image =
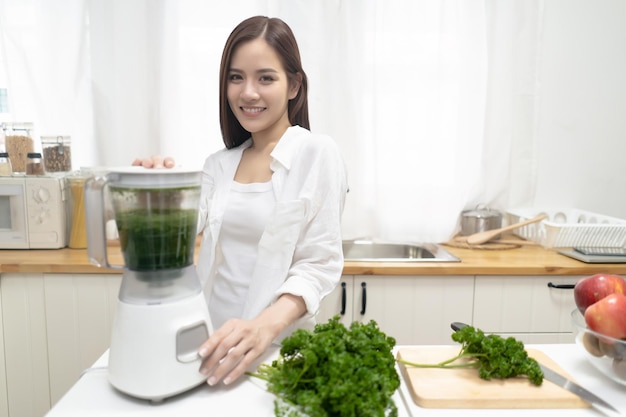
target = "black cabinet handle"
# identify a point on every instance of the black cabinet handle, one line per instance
(343, 298)
(363, 297)
(561, 286)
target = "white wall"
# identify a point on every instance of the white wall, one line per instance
(581, 127)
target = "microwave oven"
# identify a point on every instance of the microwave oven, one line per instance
(34, 212)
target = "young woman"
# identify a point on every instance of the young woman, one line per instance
(271, 205)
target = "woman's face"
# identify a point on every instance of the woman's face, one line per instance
(259, 90)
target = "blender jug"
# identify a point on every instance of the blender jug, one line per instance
(162, 316)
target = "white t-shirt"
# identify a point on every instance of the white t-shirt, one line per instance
(247, 212)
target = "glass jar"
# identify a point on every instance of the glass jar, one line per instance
(57, 153)
(19, 142)
(78, 232)
(5, 164)
(34, 164)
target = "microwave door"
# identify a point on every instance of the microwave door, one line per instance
(13, 228)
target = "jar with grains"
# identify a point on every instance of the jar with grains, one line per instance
(78, 232)
(57, 153)
(5, 164)
(34, 164)
(19, 142)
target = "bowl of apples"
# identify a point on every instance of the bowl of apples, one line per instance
(599, 323)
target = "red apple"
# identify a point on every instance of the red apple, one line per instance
(608, 316)
(592, 289)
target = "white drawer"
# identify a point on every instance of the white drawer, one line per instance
(524, 304)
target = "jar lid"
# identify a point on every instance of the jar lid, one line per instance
(58, 139)
(17, 125)
(140, 177)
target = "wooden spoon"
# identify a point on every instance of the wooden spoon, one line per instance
(486, 236)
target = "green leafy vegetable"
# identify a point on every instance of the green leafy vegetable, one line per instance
(493, 355)
(334, 371)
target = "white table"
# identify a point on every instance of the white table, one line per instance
(93, 396)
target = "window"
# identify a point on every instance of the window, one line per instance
(4, 100)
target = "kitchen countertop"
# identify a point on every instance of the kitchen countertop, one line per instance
(525, 260)
(93, 396)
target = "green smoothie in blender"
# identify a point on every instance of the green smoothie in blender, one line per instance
(154, 235)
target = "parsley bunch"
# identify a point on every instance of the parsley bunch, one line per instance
(493, 355)
(334, 371)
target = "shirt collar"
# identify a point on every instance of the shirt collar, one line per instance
(286, 148)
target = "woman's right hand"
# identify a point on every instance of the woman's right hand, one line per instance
(155, 161)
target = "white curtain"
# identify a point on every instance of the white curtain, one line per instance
(432, 102)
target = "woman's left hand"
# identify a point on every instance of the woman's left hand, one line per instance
(155, 161)
(230, 350)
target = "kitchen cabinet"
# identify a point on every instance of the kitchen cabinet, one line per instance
(26, 359)
(79, 315)
(55, 326)
(533, 309)
(414, 309)
(4, 406)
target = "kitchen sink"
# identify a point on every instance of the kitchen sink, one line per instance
(373, 251)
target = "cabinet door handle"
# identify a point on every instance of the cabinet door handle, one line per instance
(363, 297)
(343, 299)
(561, 286)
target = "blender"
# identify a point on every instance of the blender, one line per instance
(162, 316)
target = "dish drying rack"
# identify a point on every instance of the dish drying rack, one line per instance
(570, 228)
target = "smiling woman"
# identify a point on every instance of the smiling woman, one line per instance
(436, 105)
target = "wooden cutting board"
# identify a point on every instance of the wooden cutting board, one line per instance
(463, 388)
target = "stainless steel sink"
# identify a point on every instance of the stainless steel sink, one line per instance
(372, 251)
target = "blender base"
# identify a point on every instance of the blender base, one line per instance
(153, 352)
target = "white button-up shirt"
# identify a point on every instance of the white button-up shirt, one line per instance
(300, 250)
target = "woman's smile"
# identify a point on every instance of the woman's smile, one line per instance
(252, 111)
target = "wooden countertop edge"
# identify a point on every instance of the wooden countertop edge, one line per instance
(521, 261)
(352, 269)
(355, 268)
(57, 269)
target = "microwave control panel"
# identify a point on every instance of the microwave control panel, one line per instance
(47, 208)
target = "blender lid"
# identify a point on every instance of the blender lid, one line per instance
(132, 169)
(138, 176)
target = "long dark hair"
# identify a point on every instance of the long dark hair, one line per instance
(280, 37)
